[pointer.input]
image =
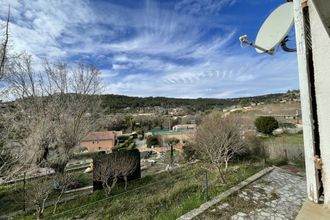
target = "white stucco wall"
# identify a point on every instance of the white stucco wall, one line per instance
(321, 58)
(305, 103)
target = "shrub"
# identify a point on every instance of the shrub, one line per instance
(244, 102)
(131, 146)
(266, 124)
(172, 140)
(280, 161)
(123, 138)
(189, 152)
(256, 146)
(152, 141)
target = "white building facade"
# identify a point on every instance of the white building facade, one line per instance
(312, 24)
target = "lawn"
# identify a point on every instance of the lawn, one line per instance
(292, 139)
(285, 146)
(162, 196)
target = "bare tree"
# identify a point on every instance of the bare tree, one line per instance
(11, 154)
(4, 47)
(63, 181)
(126, 166)
(218, 139)
(54, 109)
(7, 160)
(103, 173)
(112, 167)
(38, 193)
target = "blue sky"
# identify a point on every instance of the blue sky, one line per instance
(182, 48)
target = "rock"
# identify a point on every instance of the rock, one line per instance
(241, 214)
(223, 206)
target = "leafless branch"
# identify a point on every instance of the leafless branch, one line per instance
(218, 140)
(38, 193)
(50, 116)
(111, 167)
(4, 47)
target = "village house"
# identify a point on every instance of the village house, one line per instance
(184, 127)
(99, 141)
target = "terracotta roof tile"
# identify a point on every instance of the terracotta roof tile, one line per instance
(100, 135)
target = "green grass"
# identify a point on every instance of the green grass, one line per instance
(162, 196)
(280, 161)
(285, 147)
(10, 199)
(12, 196)
(293, 139)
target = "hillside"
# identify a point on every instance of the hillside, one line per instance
(117, 103)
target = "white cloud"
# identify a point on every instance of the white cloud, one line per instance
(150, 50)
(197, 7)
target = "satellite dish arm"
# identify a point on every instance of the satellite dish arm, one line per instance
(285, 48)
(244, 40)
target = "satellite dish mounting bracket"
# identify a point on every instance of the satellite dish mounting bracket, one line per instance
(244, 40)
(285, 48)
(274, 30)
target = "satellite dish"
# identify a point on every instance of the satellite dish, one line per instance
(275, 28)
(273, 31)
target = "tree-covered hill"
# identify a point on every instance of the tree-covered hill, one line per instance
(115, 103)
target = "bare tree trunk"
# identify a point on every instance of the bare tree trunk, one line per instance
(38, 211)
(105, 186)
(125, 178)
(226, 167)
(43, 206)
(114, 181)
(4, 47)
(57, 201)
(221, 175)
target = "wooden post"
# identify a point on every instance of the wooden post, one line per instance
(172, 155)
(206, 195)
(24, 191)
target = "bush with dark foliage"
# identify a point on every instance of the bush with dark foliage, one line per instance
(266, 124)
(189, 152)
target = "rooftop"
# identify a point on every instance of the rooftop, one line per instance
(100, 135)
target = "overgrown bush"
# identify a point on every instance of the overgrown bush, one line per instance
(266, 124)
(256, 148)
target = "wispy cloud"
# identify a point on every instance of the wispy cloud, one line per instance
(184, 48)
(203, 7)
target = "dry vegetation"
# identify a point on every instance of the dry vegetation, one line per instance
(218, 140)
